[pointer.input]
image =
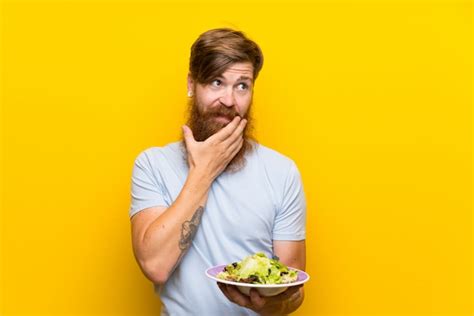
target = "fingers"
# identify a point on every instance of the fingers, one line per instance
(236, 141)
(254, 301)
(238, 132)
(257, 301)
(234, 295)
(188, 135)
(224, 133)
(235, 147)
(224, 291)
(289, 292)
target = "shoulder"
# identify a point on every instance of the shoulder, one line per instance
(274, 159)
(279, 168)
(151, 155)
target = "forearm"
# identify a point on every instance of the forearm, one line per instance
(285, 307)
(169, 236)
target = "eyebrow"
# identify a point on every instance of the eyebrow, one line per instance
(244, 78)
(241, 78)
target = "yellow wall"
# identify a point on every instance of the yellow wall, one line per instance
(372, 99)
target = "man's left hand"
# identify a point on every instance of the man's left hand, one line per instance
(270, 305)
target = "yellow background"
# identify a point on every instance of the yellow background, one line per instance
(371, 99)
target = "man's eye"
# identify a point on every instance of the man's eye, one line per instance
(243, 86)
(216, 83)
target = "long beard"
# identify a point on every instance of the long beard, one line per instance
(204, 125)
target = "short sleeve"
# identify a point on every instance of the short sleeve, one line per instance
(290, 221)
(146, 191)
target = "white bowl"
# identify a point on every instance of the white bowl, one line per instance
(263, 289)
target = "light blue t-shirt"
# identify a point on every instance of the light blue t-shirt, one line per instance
(244, 213)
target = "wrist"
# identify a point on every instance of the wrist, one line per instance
(200, 176)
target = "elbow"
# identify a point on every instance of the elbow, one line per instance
(158, 278)
(154, 272)
(154, 266)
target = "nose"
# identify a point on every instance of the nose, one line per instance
(227, 98)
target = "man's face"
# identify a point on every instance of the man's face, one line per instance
(228, 95)
(214, 105)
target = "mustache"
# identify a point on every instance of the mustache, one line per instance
(224, 111)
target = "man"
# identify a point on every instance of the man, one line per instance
(218, 195)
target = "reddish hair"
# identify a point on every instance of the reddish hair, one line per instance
(217, 49)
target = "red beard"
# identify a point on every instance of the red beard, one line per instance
(205, 124)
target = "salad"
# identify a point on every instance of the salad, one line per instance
(258, 269)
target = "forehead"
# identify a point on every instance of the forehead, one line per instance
(239, 70)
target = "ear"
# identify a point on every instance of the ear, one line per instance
(190, 83)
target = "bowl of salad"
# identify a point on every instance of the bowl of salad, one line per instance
(268, 276)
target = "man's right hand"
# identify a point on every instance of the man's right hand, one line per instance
(211, 156)
(162, 235)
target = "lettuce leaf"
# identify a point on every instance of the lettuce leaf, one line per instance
(258, 269)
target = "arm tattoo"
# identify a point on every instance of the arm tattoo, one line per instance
(189, 229)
